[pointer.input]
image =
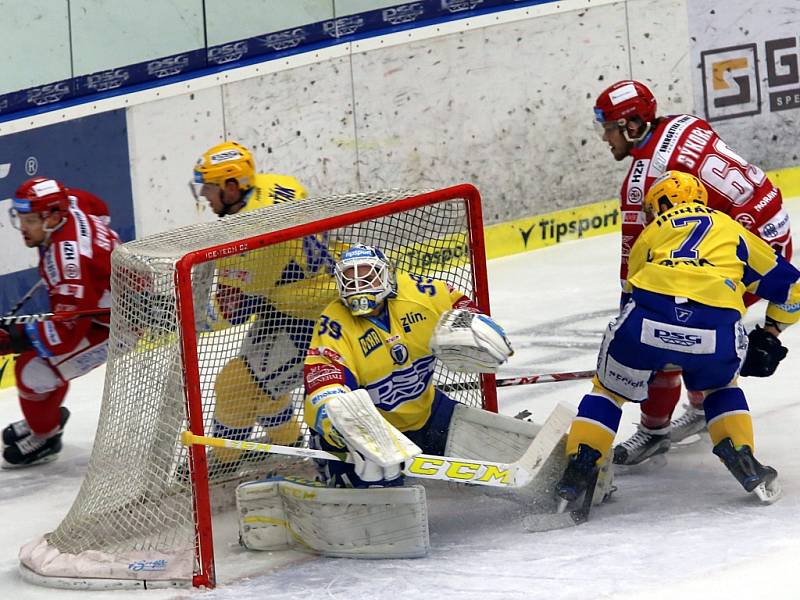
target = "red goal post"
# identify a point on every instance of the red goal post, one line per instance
(209, 325)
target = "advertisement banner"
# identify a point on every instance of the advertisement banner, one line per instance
(552, 228)
(748, 55)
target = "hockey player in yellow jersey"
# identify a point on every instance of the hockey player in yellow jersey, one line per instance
(687, 274)
(225, 175)
(383, 336)
(279, 293)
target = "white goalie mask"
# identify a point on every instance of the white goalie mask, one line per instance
(364, 278)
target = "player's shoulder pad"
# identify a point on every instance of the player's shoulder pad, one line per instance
(280, 188)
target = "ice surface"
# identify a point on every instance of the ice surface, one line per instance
(684, 531)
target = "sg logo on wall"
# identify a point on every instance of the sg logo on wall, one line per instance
(732, 78)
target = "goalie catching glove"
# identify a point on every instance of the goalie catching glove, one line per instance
(377, 447)
(470, 342)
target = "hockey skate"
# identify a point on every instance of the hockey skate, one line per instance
(754, 477)
(691, 422)
(574, 493)
(31, 450)
(645, 445)
(20, 429)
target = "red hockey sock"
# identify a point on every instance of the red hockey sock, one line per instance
(695, 399)
(43, 415)
(663, 395)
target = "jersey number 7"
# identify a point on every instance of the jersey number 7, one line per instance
(700, 226)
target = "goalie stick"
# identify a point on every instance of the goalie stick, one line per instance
(517, 474)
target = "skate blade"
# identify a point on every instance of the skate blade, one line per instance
(42, 461)
(689, 440)
(650, 464)
(560, 519)
(551, 522)
(768, 493)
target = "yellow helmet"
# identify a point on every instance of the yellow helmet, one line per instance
(228, 160)
(671, 188)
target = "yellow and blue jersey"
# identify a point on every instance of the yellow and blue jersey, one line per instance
(695, 252)
(294, 276)
(388, 355)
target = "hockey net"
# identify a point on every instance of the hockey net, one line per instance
(209, 327)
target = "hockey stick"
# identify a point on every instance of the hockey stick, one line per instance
(462, 470)
(545, 378)
(525, 380)
(13, 310)
(66, 315)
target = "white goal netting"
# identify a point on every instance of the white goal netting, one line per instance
(236, 362)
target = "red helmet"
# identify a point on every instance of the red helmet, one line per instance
(40, 194)
(624, 100)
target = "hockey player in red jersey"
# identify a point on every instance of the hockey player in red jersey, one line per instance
(626, 114)
(75, 264)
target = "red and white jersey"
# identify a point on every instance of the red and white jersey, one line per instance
(89, 204)
(687, 143)
(76, 268)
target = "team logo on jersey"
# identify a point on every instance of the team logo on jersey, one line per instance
(681, 339)
(69, 289)
(626, 381)
(84, 232)
(408, 319)
(370, 341)
(51, 333)
(776, 226)
(668, 142)
(328, 353)
(764, 202)
(317, 376)
(399, 354)
(627, 244)
(745, 220)
(403, 385)
(636, 181)
(634, 217)
(70, 262)
(682, 314)
(50, 266)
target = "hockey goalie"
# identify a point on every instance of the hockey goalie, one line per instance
(370, 396)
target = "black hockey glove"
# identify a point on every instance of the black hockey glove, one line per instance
(764, 352)
(13, 340)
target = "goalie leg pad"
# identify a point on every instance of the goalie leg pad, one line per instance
(352, 523)
(483, 435)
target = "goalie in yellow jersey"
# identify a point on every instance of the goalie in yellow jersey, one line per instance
(255, 386)
(376, 347)
(687, 274)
